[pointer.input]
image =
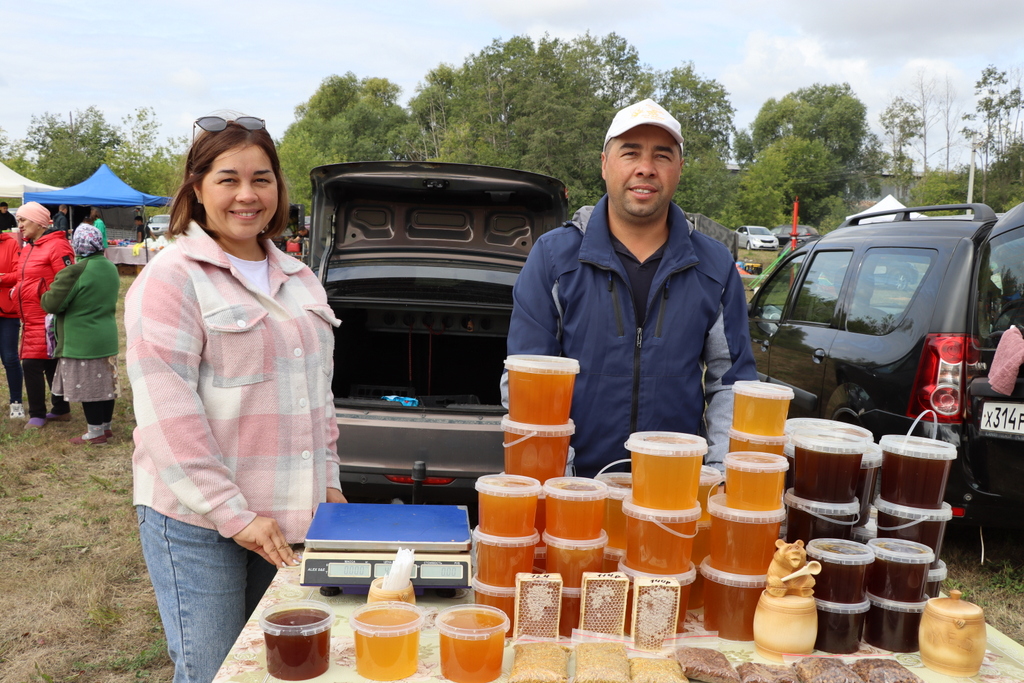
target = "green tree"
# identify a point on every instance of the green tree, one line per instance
(68, 152)
(939, 187)
(141, 161)
(902, 123)
(702, 107)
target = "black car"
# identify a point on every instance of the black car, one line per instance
(874, 324)
(804, 234)
(418, 260)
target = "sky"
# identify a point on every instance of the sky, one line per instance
(189, 58)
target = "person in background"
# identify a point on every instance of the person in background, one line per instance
(87, 219)
(7, 221)
(10, 324)
(97, 221)
(46, 252)
(60, 220)
(141, 230)
(83, 299)
(230, 355)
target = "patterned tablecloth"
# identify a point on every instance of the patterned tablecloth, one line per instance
(1004, 661)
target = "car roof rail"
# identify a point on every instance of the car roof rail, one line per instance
(981, 213)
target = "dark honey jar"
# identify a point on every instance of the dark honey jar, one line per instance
(844, 566)
(839, 626)
(810, 519)
(900, 569)
(893, 625)
(827, 465)
(922, 525)
(915, 470)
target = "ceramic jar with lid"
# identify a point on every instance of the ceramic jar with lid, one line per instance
(952, 636)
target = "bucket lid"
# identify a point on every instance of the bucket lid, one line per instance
(414, 624)
(756, 389)
(572, 544)
(508, 485)
(797, 423)
(828, 442)
(839, 551)
(896, 606)
(462, 633)
(862, 534)
(505, 541)
(709, 476)
(917, 447)
(872, 457)
(675, 444)
(730, 579)
(543, 365)
(684, 579)
(938, 573)
(575, 488)
(841, 607)
(943, 514)
(493, 591)
(718, 508)
(789, 450)
(631, 509)
(750, 461)
(620, 484)
(837, 509)
(299, 629)
(901, 551)
(756, 438)
(540, 551)
(524, 429)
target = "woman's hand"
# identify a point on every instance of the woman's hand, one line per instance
(263, 536)
(336, 496)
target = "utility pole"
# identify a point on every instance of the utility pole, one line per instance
(970, 175)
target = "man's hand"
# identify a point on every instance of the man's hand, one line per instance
(263, 536)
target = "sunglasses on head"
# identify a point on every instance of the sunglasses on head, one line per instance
(215, 124)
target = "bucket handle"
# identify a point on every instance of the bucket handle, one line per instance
(901, 526)
(613, 463)
(826, 518)
(935, 425)
(518, 441)
(673, 531)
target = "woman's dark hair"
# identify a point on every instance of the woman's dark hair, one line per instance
(201, 155)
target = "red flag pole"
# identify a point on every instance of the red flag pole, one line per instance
(796, 219)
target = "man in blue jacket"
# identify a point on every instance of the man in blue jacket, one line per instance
(654, 311)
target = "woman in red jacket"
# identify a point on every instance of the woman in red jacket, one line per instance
(10, 324)
(46, 252)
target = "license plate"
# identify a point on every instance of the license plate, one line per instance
(1004, 418)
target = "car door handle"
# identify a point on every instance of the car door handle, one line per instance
(818, 355)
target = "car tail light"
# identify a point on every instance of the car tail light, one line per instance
(940, 377)
(959, 512)
(429, 481)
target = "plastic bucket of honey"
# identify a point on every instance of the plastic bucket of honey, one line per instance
(818, 424)
(540, 558)
(472, 642)
(701, 549)
(686, 581)
(710, 480)
(741, 441)
(571, 558)
(922, 525)
(867, 480)
(387, 636)
(900, 569)
(538, 451)
(810, 519)
(508, 504)
(893, 625)
(620, 487)
(760, 408)
(298, 639)
(574, 507)
(612, 558)
(839, 625)
(730, 601)
(915, 470)
(666, 469)
(540, 388)
(569, 618)
(659, 541)
(936, 575)
(742, 541)
(499, 597)
(499, 558)
(827, 465)
(754, 481)
(844, 564)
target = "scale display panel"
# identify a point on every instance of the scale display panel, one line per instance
(358, 569)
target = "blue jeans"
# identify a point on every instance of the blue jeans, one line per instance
(9, 330)
(206, 587)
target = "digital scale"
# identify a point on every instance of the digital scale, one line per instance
(348, 545)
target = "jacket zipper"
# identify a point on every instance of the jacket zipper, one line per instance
(615, 305)
(635, 406)
(21, 279)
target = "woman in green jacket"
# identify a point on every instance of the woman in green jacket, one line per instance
(83, 299)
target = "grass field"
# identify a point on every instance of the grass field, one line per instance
(77, 604)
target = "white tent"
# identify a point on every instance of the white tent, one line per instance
(890, 203)
(15, 185)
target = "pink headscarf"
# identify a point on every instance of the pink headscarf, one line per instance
(35, 212)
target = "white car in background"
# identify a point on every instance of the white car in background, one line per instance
(158, 224)
(756, 237)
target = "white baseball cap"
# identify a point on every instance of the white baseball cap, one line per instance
(647, 112)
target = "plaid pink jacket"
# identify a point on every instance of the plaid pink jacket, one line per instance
(232, 389)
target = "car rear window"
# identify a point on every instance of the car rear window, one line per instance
(819, 292)
(1000, 286)
(885, 286)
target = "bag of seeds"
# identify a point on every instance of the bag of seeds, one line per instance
(884, 671)
(540, 663)
(751, 672)
(647, 670)
(601, 663)
(703, 664)
(825, 670)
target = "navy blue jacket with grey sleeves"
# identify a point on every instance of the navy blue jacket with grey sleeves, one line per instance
(673, 373)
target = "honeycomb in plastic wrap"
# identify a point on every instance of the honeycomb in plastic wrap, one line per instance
(538, 605)
(603, 608)
(655, 610)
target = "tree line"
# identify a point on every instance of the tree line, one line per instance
(544, 106)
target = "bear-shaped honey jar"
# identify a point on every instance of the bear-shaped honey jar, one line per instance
(952, 636)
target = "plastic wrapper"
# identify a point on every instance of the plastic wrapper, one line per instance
(646, 670)
(825, 670)
(884, 671)
(540, 663)
(752, 672)
(601, 663)
(703, 664)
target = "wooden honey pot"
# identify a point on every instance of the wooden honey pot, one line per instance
(952, 636)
